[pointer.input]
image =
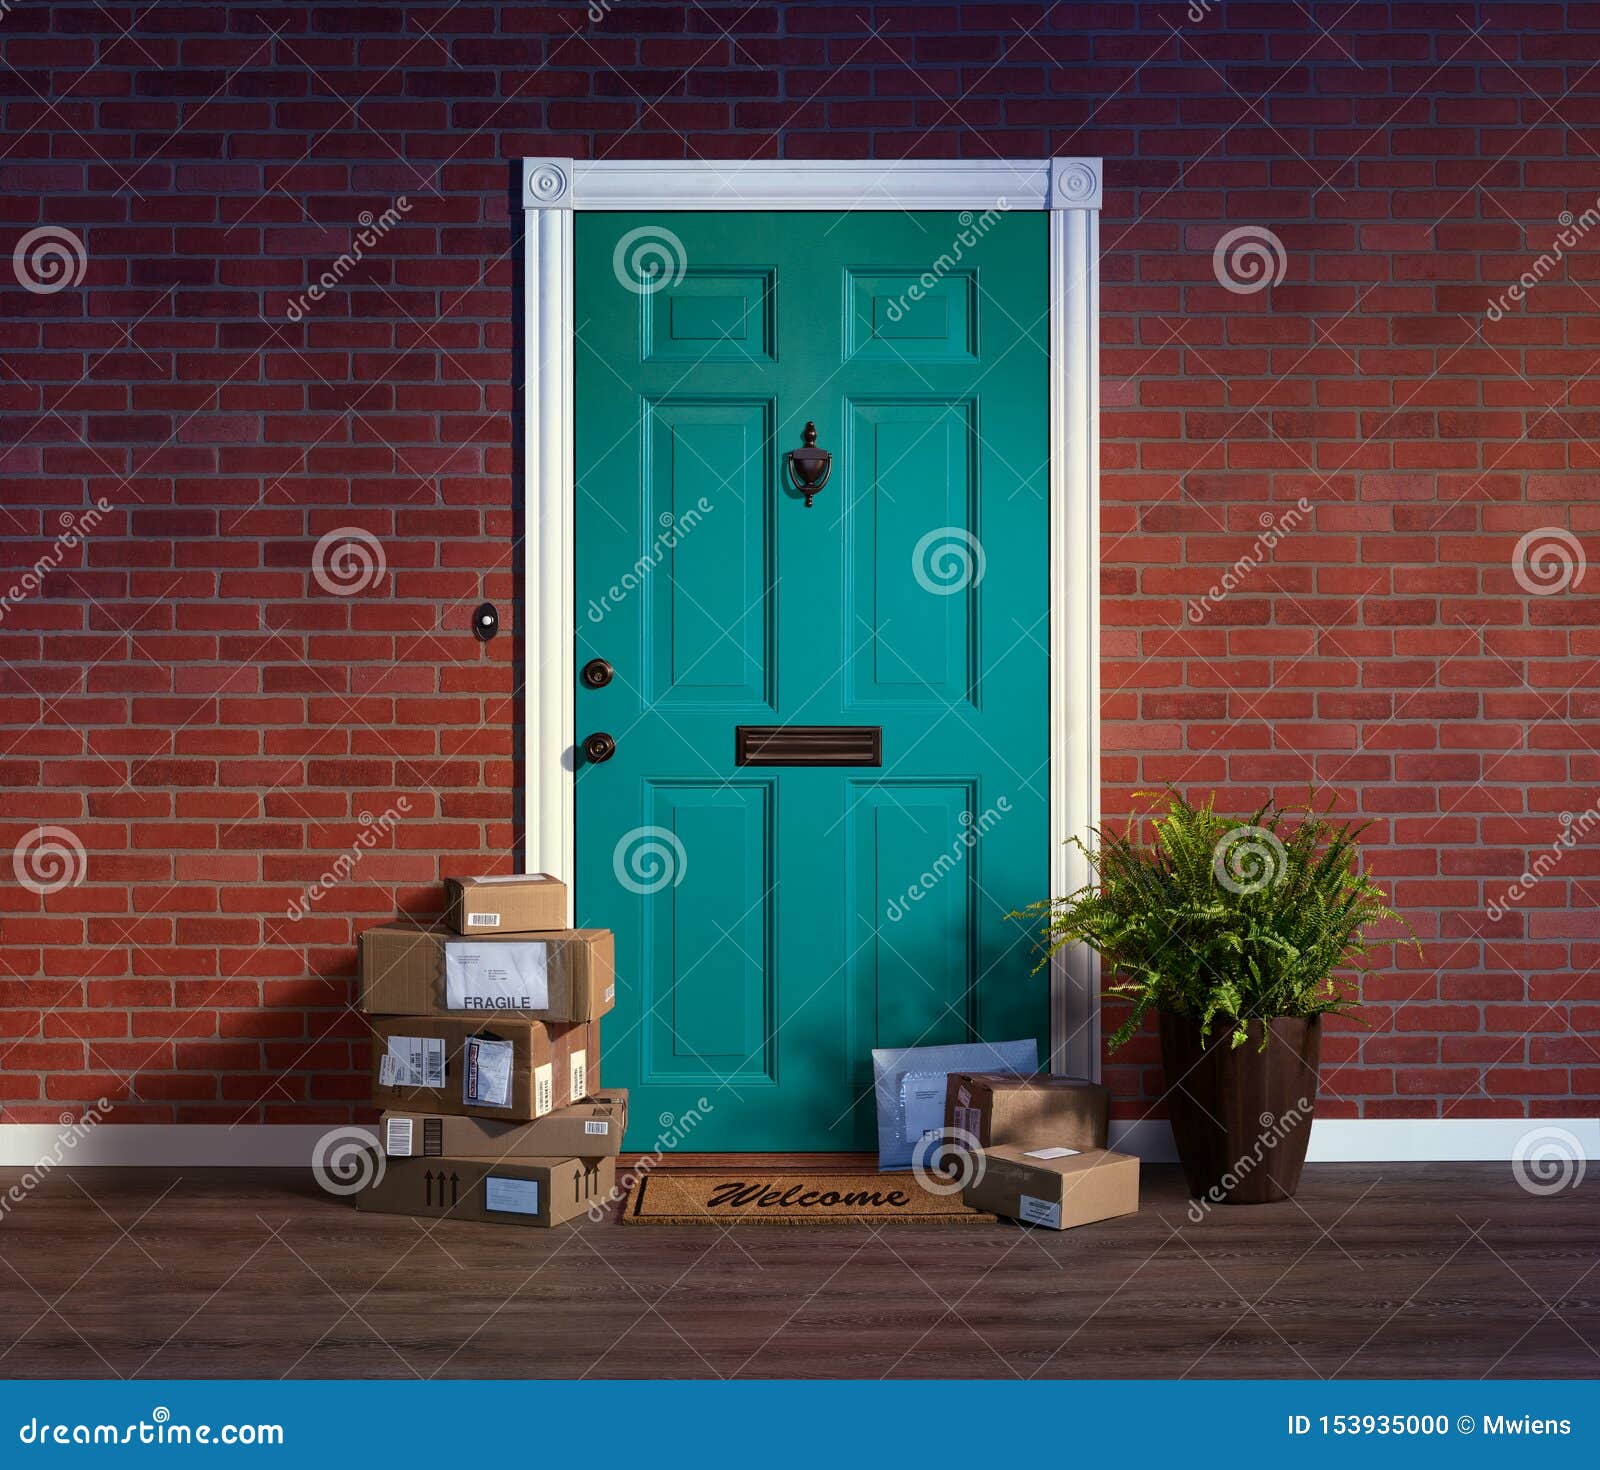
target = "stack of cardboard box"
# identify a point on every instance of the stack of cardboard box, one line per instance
(1041, 1148)
(486, 1058)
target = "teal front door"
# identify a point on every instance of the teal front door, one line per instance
(813, 766)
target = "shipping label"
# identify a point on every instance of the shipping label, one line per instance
(486, 1077)
(922, 1104)
(412, 1061)
(496, 977)
(1039, 1212)
(511, 1196)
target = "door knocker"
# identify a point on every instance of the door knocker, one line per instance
(808, 466)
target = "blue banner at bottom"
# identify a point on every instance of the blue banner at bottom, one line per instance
(773, 1425)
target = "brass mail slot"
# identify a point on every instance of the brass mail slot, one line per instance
(808, 745)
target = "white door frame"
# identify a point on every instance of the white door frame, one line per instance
(1069, 190)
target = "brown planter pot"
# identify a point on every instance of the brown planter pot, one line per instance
(1241, 1117)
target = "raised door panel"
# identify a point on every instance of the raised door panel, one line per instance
(910, 316)
(705, 870)
(707, 568)
(915, 556)
(913, 880)
(712, 316)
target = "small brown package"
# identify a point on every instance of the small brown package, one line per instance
(1058, 1187)
(519, 903)
(1002, 1107)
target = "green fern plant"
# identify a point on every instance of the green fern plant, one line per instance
(1225, 920)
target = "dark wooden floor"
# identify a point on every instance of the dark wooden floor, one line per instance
(1376, 1271)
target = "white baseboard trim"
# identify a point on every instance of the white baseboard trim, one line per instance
(291, 1145)
(169, 1145)
(1392, 1140)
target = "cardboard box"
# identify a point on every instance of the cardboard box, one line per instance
(517, 1070)
(565, 975)
(520, 903)
(536, 1192)
(997, 1108)
(585, 1130)
(1057, 1187)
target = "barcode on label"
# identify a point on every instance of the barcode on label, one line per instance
(483, 921)
(412, 1061)
(600, 1128)
(397, 1138)
(579, 1078)
(544, 1088)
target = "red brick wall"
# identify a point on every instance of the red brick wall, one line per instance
(212, 725)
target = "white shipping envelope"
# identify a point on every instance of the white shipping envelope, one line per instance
(496, 977)
(891, 1066)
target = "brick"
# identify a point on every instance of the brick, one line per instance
(1384, 647)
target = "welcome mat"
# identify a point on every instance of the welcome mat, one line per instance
(751, 1197)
